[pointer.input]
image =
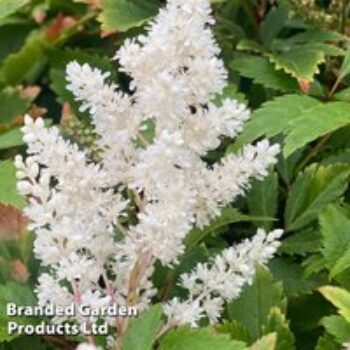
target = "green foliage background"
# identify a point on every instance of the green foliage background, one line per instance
(290, 62)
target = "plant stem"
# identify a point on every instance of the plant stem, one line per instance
(334, 89)
(343, 15)
(60, 342)
(166, 328)
(142, 139)
(67, 34)
(314, 151)
(119, 344)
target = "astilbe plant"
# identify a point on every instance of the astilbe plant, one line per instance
(79, 208)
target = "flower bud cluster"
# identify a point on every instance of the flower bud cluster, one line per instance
(311, 11)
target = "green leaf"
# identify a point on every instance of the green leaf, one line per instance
(250, 45)
(308, 127)
(26, 342)
(339, 139)
(328, 50)
(59, 86)
(64, 6)
(12, 37)
(342, 156)
(274, 117)
(8, 189)
(24, 64)
(303, 119)
(263, 198)
(16, 293)
(338, 327)
(228, 216)
(11, 138)
(343, 95)
(327, 343)
(235, 329)
(122, 15)
(305, 313)
(342, 264)
(312, 191)
(291, 274)
(287, 167)
(340, 298)
(11, 105)
(268, 342)
(313, 35)
(189, 339)
(302, 243)
(9, 7)
(300, 62)
(335, 229)
(60, 58)
(14, 137)
(19, 294)
(273, 23)
(143, 330)
(314, 264)
(277, 323)
(263, 72)
(253, 306)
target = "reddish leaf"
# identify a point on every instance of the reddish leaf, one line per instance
(30, 92)
(106, 33)
(13, 224)
(58, 26)
(304, 86)
(19, 271)
(39, 15)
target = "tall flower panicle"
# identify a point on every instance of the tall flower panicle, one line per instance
(80, 209)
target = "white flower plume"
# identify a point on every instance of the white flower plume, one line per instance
(211, 284)
(79, 208)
